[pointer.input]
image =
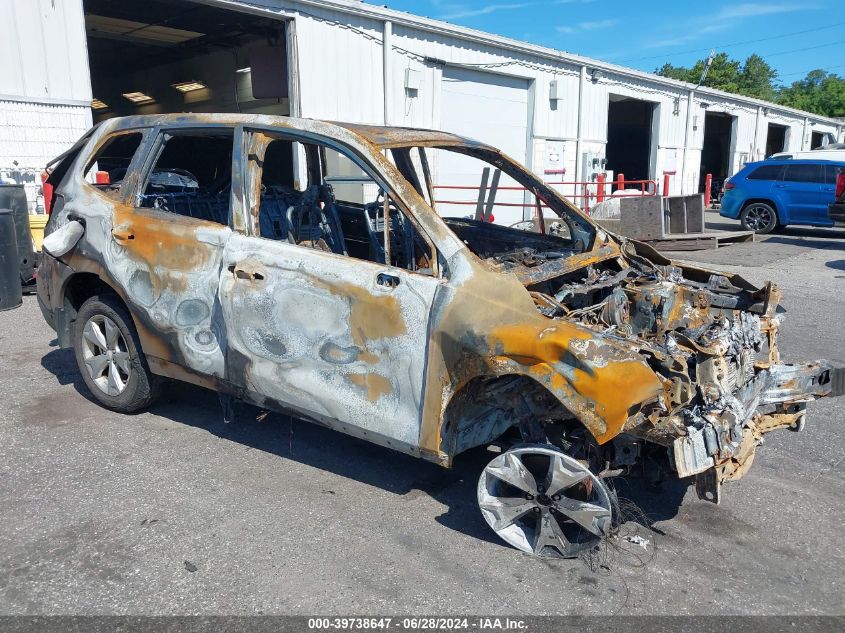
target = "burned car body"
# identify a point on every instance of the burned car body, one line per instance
(254, 276)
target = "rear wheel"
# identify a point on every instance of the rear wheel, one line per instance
(544, 502)
(759, 217)
(109, 356)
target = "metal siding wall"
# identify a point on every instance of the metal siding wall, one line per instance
(341, 77)
(555, 122)
(43, 47)
(45, 86)
(43, 50)
(340, 69)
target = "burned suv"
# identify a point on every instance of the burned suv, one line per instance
(310, 268)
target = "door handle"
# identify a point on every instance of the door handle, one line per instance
(386, 280)
(248, 275)
(122, 236)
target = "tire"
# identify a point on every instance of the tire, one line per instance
(125, 383)
(759, 217)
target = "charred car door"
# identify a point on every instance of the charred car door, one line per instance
(167, 248)
(312, 324)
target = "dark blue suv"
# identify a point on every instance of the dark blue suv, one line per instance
(773, 193)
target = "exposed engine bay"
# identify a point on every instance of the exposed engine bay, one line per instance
(710, 337)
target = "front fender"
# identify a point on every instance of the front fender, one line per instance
(601, 382)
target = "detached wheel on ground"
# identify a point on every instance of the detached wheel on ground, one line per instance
(759, 217)
(109, 356)
(544, 502)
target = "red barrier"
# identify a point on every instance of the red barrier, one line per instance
(592, 190)
(47, 191)
(708, 183)
(666, 184)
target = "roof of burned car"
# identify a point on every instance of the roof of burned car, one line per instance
(380, 136)
(384, 136)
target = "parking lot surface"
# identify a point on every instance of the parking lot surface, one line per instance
(174, 511)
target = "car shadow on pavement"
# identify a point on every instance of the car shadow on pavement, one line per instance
(62, 364)
(807, 242)
(836, 264)
(338, 453)
(320, 447)
(646, 502)
(352, 458)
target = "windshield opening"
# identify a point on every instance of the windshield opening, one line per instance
(497, 208)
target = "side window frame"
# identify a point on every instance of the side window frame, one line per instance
(820, 168)
(158, 137)
(130, 181)
(781, 171)
(254, 144)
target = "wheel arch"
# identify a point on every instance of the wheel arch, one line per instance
(76, 290)
(487, 406)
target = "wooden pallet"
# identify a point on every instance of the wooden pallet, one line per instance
(701, 241)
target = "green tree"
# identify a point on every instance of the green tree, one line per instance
(676, 72)
(726, 74)
(820, 92)
(757, 79)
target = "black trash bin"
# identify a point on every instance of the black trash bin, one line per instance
(14, 197)
(10, 275)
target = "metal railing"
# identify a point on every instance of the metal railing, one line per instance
(590, 191)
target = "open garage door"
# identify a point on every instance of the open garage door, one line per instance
(817, 140)
(630, 139)
(775, 139)
(491, 108)
(717, 147)
(157, 56)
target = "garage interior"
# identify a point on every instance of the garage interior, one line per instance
(629, 137)
(817, 139)
(158, 56)
(775, 139)
(716, 149)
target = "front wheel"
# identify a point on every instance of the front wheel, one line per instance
(544, 502)
(110, 358)
(759, 217)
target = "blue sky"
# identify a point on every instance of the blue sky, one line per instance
(793, 36)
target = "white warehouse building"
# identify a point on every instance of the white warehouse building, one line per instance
(566, 117)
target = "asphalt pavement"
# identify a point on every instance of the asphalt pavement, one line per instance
(172, 511)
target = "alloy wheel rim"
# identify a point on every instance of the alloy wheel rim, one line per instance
(758, 217)
(544, 502)
(106, 355)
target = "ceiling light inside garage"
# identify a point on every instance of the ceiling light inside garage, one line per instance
(243, 70)
(137, 97)
(188, 86)
(99, 105)
(106, 27)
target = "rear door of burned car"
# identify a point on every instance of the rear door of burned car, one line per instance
(167, 249)
(316, 321)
